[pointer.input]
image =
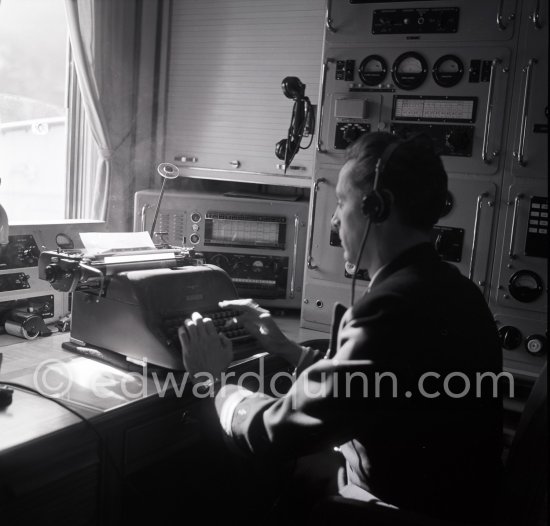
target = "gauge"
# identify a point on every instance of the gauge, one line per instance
(448, 70)
(409, 70)
(372, 70)
(526, 286)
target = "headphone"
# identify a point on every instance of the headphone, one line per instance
(375, 206)
(377, 203)
(302, 116)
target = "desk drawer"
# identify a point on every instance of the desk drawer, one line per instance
(159, 438)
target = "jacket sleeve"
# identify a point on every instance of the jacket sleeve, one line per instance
(326, 403)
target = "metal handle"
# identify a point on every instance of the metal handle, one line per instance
(294, 256)
(142, 215)
(311, 221)
(535, 16)
(328, 18)
(519, 154)
(322, 105)
(236, 164)
(488, 115)
(500, 17)
(511, 253)
(240, 172)
(293, 168)
(185, 159)
(479, 204)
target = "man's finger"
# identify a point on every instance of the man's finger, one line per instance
(196, 316)
(184, 339)
(209, 327)
(226, 343)
(191, 328)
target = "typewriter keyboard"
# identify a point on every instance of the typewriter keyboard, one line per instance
(244, 344)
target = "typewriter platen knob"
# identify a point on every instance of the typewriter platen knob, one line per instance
(51, 272)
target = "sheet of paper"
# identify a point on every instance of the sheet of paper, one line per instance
(102, 242)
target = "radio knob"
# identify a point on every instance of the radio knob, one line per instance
(536, 344)
(351, 134)
(458, 141)
(510, 337)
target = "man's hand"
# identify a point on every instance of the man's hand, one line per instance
(205, 353)
(259, 323)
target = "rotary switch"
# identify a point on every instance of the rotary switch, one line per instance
(510, 337)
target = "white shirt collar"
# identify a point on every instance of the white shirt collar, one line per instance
(376, 274)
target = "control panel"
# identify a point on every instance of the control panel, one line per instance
(260, 243)
(22, 295)
(21, 251)
(415, 20)
(423, 89)
(473, 76)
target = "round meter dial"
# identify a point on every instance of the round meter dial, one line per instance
(448, 71)
(526, 286)
(409, 70)
(373, 70)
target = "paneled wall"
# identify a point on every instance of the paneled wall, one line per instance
(225, 64)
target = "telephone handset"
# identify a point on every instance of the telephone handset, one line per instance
(302, 118)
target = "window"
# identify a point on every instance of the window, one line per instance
(33, 110)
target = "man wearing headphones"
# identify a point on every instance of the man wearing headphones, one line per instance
(400, 395)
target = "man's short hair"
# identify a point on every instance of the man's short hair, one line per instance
(414, 174)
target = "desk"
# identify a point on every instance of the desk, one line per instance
(54, 467)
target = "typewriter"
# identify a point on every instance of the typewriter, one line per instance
(132, 303)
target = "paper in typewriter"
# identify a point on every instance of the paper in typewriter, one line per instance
(109, 242)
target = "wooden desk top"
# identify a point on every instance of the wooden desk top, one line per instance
(88, 386)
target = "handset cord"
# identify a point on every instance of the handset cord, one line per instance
(88, 424)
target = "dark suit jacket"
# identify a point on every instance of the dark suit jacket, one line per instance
(424, 445)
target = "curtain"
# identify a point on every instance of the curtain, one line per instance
(102, 35)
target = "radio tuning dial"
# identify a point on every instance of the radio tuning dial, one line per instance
(510, 337)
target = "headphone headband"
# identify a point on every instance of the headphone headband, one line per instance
(376, 204)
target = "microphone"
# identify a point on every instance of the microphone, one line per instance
(166, 171)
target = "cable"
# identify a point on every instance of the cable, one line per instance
(87, 422)
(361, 248)
(309, 119)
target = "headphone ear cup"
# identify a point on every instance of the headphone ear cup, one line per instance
(376, 205)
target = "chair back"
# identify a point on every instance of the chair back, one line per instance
(525, 483)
